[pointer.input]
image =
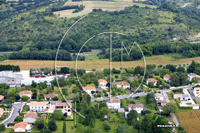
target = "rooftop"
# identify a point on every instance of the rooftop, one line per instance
(123, 83)
(63, 104)
(114, 100)
(89, 88)
(161, 101)
(152, 80)
(25, 92)
(1, 110)
(135, 78)
(135, 105)
(158, 95)
(50, 95)
(31, 115)
(21, 125)
(37, 104)
(102, 80)
(167, 76)
(11, 75)
(1, 97)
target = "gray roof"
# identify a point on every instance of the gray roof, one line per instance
(11, 75)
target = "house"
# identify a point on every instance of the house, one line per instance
(25, 93)
(120, 110)
(11, 78)
(89, 89)
(102, 84)
(64, 107)
(50, 96)
(185, 97)
(1, 111)
(30, 117)
(113, 103)
(176, 96)
(192, 75)
(22, 127)
(133, 78)
(136, 107)
(123, 84)
(167, 78)
(196, 91)
(159, 96)
(1, 98)
(161, 103)
(37, 106)
(152, 80)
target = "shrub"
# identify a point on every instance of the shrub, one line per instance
(106, 126)
(52, 125)
(19, 118)
(24, 98)
(2, 127)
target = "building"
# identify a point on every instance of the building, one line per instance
(195, 106)
(159, 96)
(161, 103)
(1, 98)
(22, 127)
(64, 107)
(192, 75)
(89, 89)
(50, 96)
(167, 78)
(123, 84)
(37, 106)
(1, 111)
(133, 78)
(102, 84)
(120, 110)
(152, 80)
(196, 91)
(10, 78)
(185, 97)
(136, 107)
(26, 93)
(113, 103)
(30, 117)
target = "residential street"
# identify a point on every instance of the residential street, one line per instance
(15, 113)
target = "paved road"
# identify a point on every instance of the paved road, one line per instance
(143, 93)
(15, 113)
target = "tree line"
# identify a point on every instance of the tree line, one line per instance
(10, 67)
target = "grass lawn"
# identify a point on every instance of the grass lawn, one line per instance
(69, 125)
(8, 130)
(142, 100)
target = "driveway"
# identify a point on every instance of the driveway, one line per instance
(15, 113)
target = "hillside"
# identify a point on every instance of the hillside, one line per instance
(38, 29)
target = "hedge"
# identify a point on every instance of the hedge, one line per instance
(180, 106)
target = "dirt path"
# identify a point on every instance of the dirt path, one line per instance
(174, 118)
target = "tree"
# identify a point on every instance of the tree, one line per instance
(134, 83)
(169, 108)
(34, 84)
(195, 80)
(2, 127)
(38, 121)
(55, 98)
(40, 126)
(52, 125)
(57, 115)
(19, 118)
(180, 69)
(192, 67)
(150, 85)
(121, 129)
(106, 126)
(96, 82)
(146, 124)
(64, 70)
(132, 117)
(64, 127)
(24, 98)
(172, 68)
(163, 72)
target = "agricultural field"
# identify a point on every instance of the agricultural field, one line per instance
(98, 64)
(104, 5)
(190, 120)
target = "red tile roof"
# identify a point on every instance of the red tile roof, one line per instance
(31, 115)
(135, 105)
(1, 97)
(152, 80)
(50, 95)
(102, 80)
(167, 76)
(123, 83)
(89, 88)
(114, 100)
(135, 78)
(25, 92)
(21, 125)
